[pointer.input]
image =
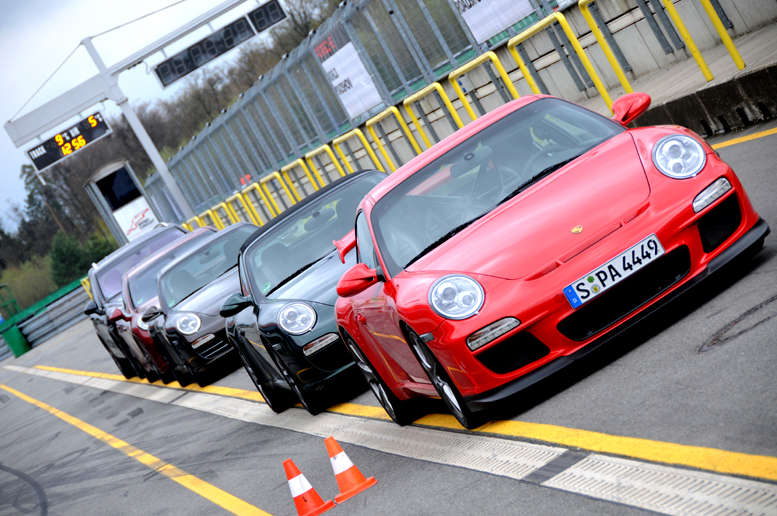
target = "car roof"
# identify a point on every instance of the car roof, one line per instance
(162, 253)
(449, 143)
(304, 202)
(128, 247)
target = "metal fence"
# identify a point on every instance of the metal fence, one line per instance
(291, 133)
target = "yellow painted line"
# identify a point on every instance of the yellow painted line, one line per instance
(743, 139)
(710, 459)
(208, 491)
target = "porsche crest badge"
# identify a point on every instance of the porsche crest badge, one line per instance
(577, 229)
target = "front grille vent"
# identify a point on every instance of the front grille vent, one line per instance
(719, 224)
(513, 353)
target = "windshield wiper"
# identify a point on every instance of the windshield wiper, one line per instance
(294, 275)
(442, 239)
(536, 177)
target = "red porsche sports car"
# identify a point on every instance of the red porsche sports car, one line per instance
(525, 240)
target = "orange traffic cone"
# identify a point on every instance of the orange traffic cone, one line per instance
(306, 499)
(350, 480)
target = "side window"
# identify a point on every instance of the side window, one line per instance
(365, 248)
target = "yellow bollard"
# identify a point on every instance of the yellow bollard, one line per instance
(537, 27)
(715, 19)
(222, 206)
(216, 221)
(239, 197)
(367, 147)
(488, 56)
(263, 197)
(688, 40)
(268, 178)
(324, 148)
(616, 67)
(408, 133)
(87, 286)
(423, 93)
(301, 164)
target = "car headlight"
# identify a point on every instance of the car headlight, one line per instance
(188, 324)
(296, 318)
(456, 297)
(679, 156)
(142, 325)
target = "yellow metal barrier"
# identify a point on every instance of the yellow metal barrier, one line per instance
(239, 197)
(263, 197)
(616, 67)
(367, 147)
(423, 93)
(199, 221)
(324, 148)
(408, 133)
(267, 179)
(688, 39)
(715, 19)
(304, 167)
(537, 27)
(87, 286)
(186, 226)
(214, 219)
(488, 56)
(233, 219)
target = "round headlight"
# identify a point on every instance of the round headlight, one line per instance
(296, 318)
(679, 156)
(456, 297)
(188, 324)
(142, 325)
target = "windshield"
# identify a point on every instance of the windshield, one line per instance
(203, 266)
(306, 235)
(109, 276)
(470, 180)
(142, 285)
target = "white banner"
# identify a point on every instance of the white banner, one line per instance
(351, 81)
(487, 18)
(135, 218)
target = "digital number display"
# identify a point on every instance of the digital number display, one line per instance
(69, 141)
(203, 52)
(266, 16)
(332, 41)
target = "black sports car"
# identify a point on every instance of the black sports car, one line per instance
(187, 328)
(105, 280)
(282, 323)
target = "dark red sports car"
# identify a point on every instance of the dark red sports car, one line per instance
(524, 241)
(139, 292)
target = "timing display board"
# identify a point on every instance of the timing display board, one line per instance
(219, 43)
(204, 51)
(266, 16)
(347, 73)
(72, 139)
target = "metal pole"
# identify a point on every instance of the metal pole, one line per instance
(143, 137)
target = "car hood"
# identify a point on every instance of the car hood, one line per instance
(208, 299)
(532, 234)
(319, 283)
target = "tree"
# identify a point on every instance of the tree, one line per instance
(67, 260)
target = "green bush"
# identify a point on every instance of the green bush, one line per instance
(30, 282)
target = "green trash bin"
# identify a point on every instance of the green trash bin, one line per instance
(15, 341)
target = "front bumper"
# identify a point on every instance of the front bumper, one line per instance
(751, 240)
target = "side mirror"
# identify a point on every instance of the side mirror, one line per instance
(627, 108)
(234, 304)
(355, 280)
(345, 244)
(152, 313)
(116, 314)
(91, 308)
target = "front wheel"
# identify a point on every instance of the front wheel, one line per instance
(398, 410)
(311, 405)
(443, 383)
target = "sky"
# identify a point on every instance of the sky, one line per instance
(37, 36)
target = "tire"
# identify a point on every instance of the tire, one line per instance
(277, 401)
(182, 375)
(199, 378)
(400, 411)
(443, 383)
(168, 376)
(313, 406)
(125, 367)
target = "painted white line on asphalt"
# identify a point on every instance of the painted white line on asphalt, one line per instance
(663, 489)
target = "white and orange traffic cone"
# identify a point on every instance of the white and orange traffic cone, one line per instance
(350, 480)
(306, 499)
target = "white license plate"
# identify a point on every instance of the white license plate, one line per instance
(613, 272)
